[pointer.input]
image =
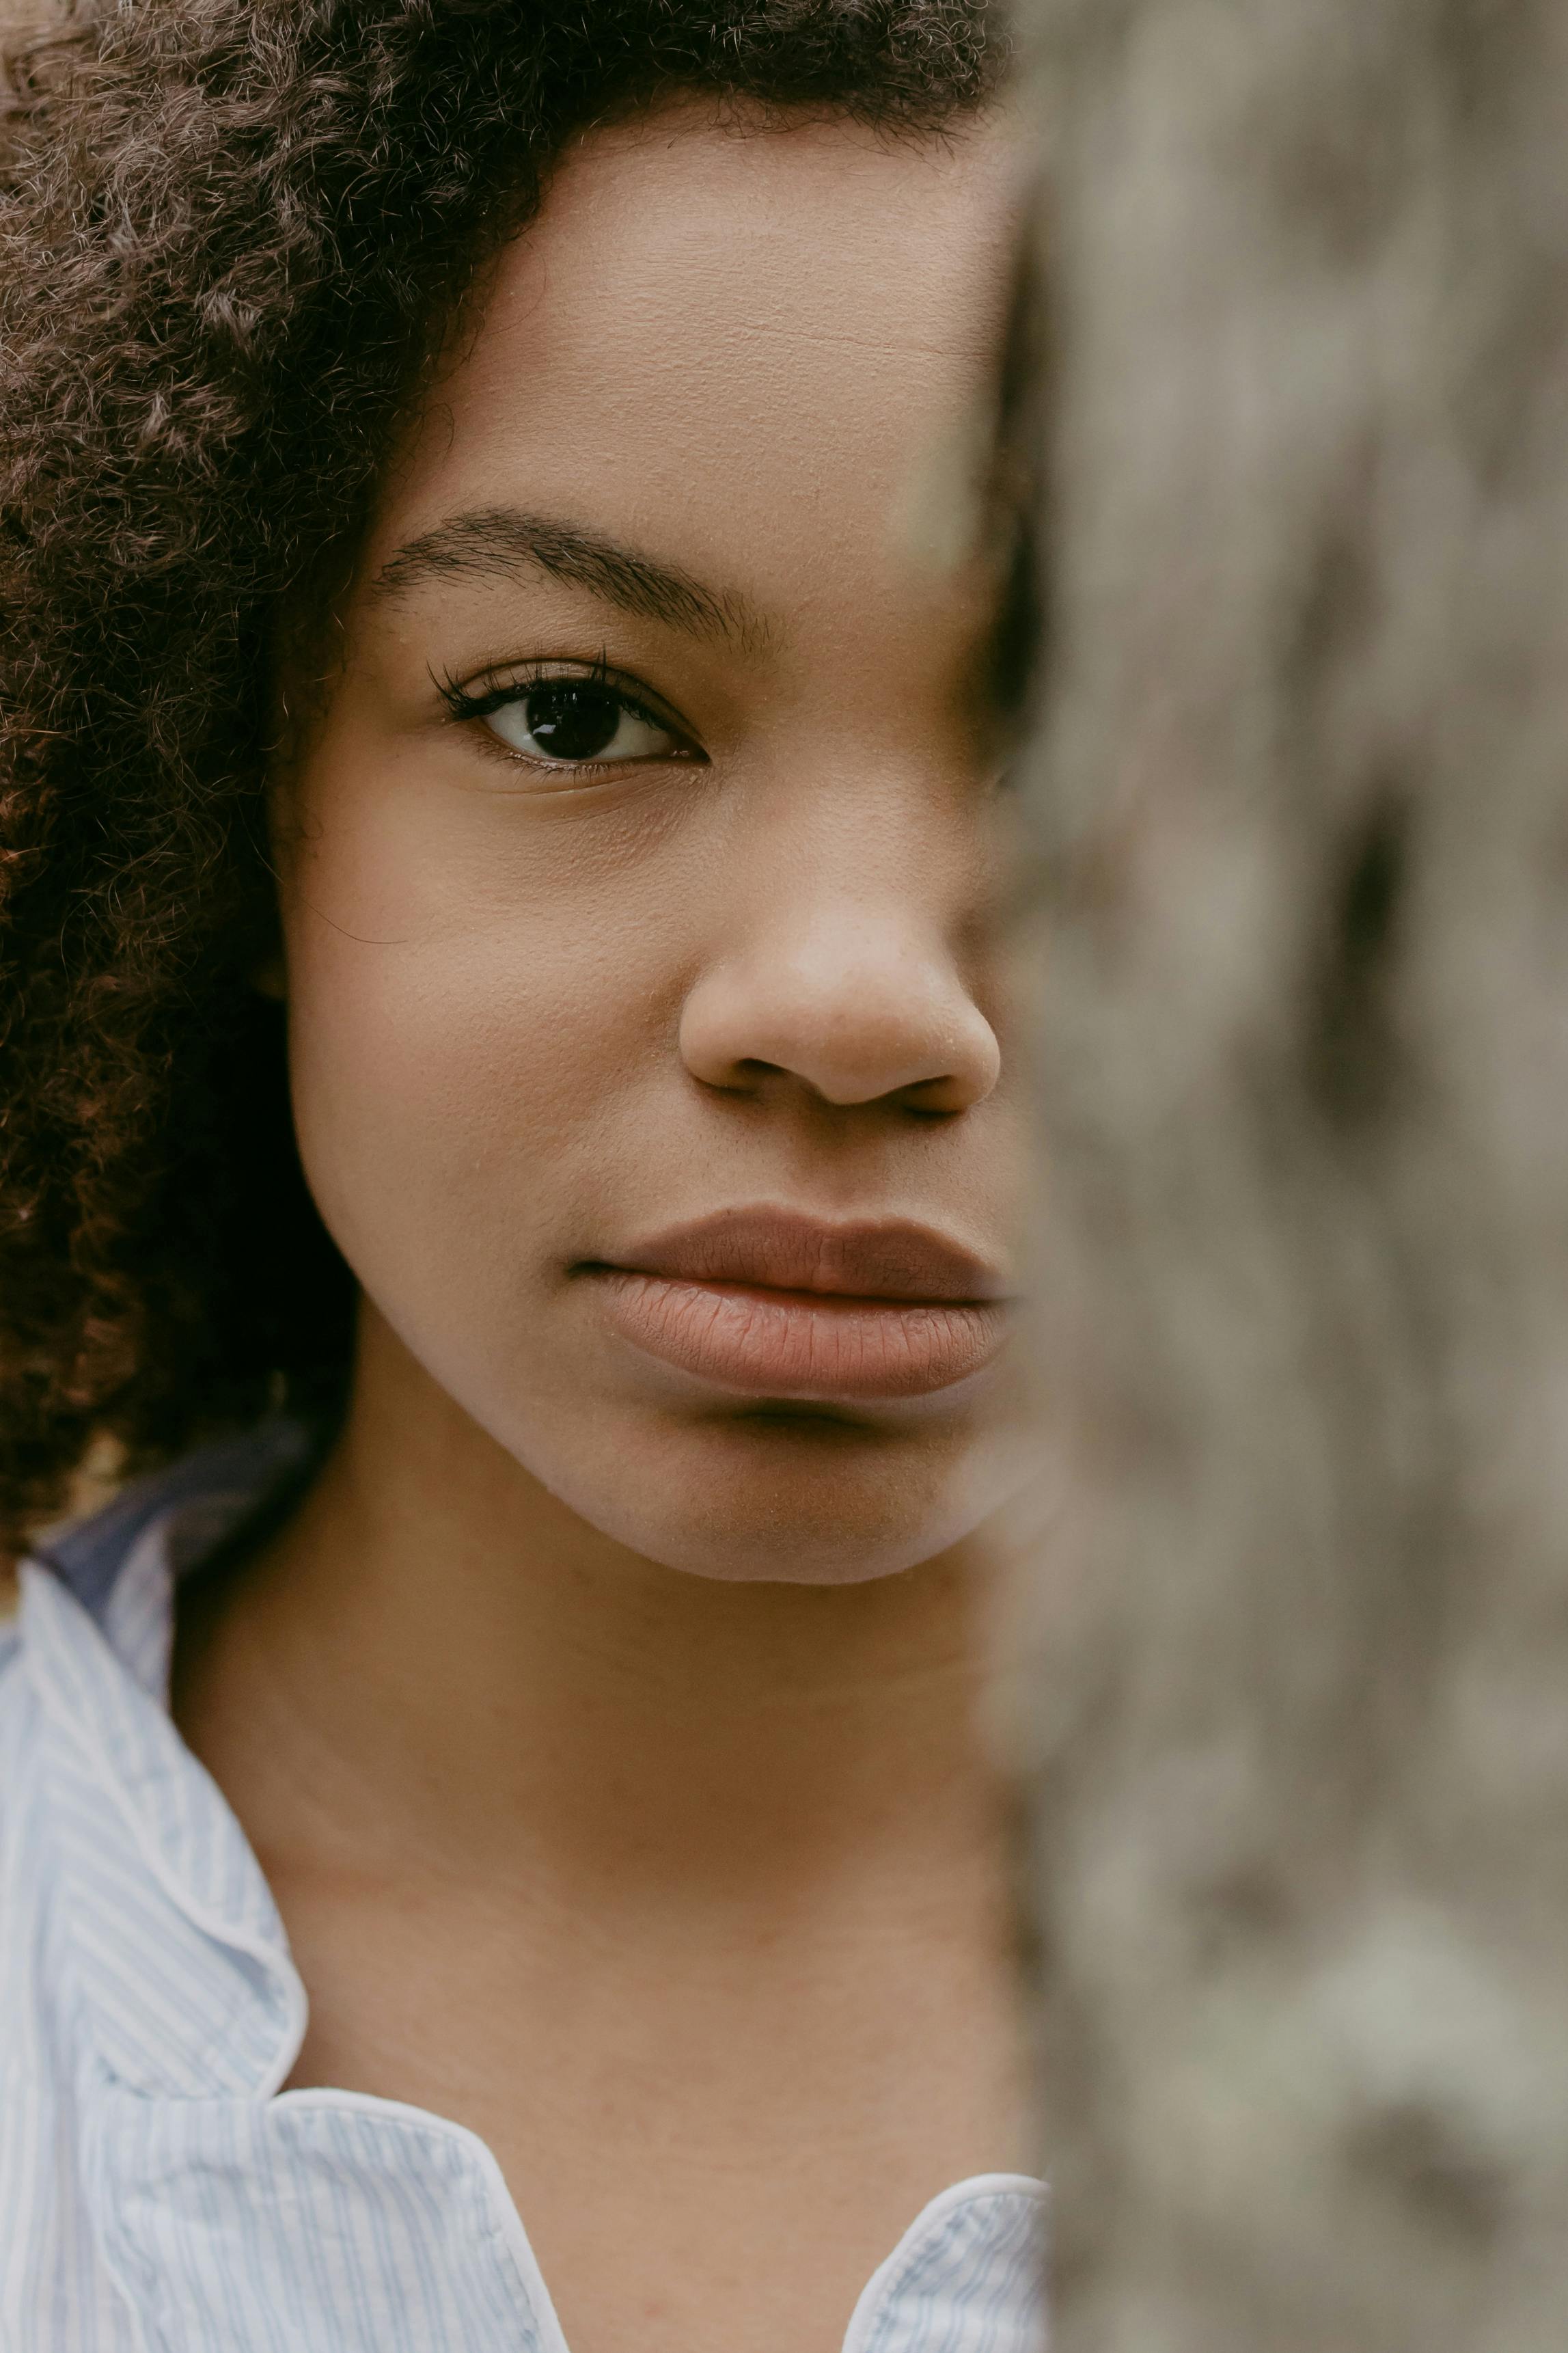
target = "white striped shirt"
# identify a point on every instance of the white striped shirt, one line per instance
(158, 2192)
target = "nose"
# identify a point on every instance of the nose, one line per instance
(848, 1001)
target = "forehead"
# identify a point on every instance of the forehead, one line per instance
(718, 337)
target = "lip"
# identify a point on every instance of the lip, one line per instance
(773, 1303)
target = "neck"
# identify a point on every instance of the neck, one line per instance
(438, 1662)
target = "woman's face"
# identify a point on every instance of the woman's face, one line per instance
(647, 1050)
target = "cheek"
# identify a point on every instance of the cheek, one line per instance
(460, 1034)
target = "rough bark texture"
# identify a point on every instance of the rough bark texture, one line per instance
(1296, 1716)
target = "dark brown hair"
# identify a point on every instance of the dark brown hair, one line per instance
(232, 233)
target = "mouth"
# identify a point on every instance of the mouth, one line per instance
(770, 1304)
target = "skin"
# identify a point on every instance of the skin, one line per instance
(606, 1733)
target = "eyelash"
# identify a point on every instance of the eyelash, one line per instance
(464, 705)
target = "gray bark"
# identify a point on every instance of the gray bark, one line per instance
(1293, 1714)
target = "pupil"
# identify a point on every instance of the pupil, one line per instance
(572, 720)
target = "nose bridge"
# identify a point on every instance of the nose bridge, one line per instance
(899, 854)
(840, 963)
(845, 954)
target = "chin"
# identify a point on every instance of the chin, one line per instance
(794, 1497)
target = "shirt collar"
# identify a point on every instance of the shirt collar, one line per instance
(162, 1884)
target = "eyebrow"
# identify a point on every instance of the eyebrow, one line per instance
(490, 542)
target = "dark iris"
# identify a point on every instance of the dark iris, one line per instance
(573, 719)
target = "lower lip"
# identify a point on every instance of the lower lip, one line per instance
(794, 1344)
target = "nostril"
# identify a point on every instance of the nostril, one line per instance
(747, 1076)
(942, 1098)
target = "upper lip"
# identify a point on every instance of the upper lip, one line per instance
(784, 1249)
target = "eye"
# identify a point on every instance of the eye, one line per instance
(571, 720)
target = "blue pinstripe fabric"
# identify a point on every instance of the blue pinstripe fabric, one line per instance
(158, 2193)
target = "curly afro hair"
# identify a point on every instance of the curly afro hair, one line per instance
(232, 236)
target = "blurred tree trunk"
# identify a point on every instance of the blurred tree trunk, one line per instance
(1295, 1719)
